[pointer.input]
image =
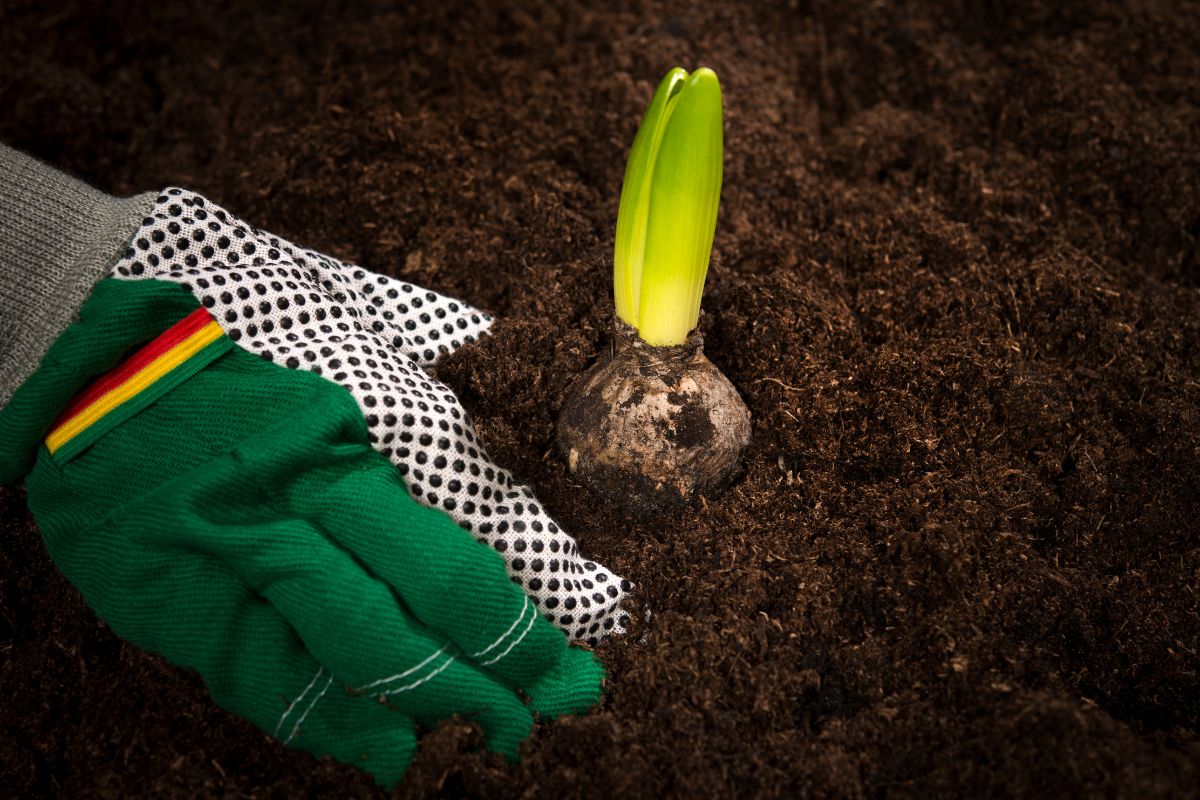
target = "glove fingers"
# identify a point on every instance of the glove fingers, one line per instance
(451, 685)
(574, 685)
(328, 720)
(349, 620)
(193, 609)
(353, 624)
(448, 580)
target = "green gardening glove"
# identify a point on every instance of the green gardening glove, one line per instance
(231, 514)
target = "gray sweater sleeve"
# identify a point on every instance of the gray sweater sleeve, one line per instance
(58, 236)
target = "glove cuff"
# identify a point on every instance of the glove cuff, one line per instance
(58, 236)
(116, 316)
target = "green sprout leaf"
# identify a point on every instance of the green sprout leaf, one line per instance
(668, 210)
(684, 195)
(635, 198)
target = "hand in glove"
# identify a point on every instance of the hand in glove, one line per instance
(232, 514)
(374, 336)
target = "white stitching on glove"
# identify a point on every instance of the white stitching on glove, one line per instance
(374, 335)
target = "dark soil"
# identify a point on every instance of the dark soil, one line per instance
(956, 279)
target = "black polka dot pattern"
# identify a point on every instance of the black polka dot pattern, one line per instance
(374, 336)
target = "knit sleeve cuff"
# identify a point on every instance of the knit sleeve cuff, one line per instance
(58, 236)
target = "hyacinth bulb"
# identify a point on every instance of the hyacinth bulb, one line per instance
(656, 424)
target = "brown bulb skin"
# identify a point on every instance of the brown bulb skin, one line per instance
(651, 428)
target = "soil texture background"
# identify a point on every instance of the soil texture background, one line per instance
(956, 278)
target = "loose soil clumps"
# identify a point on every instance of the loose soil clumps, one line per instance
(956, 279)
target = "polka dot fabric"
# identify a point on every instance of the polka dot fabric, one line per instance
(375, 336)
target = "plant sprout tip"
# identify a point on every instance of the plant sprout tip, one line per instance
(668, 211)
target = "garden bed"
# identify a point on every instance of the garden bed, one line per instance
(956, 279)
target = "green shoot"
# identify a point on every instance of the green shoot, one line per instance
(668, 208)
(635, 198)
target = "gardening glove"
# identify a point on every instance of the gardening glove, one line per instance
(232, 515)
(375, 336)
(216, 509)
